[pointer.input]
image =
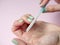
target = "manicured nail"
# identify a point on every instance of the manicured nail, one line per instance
(44, 10)
(30, 20)
(20, 20)
(31, 17)
(15, 42)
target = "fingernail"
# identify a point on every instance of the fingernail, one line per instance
(31, 17)
(44, 10)
(15, 42)
(20, 20)
(30, 20)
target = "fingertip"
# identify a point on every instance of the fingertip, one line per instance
(18, 42)
(43, 3)
(14, 41)
(18, 22)
(28, 19)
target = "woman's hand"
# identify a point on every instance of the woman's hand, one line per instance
(50, 8)
(43, 2)
(42, 33)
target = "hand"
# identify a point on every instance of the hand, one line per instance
(50, 8)
(42, 33)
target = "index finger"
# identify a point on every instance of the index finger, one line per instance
(43, 2)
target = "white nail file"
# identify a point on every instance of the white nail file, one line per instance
(42, 9)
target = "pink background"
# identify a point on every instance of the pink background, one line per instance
(11, 10)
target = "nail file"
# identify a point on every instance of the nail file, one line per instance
(42, 9)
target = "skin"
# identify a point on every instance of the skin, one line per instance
(58, 1)
(50, 8)
(42, 33)
(43, 2)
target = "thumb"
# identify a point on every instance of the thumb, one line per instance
(18, 42)
(53, 8)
